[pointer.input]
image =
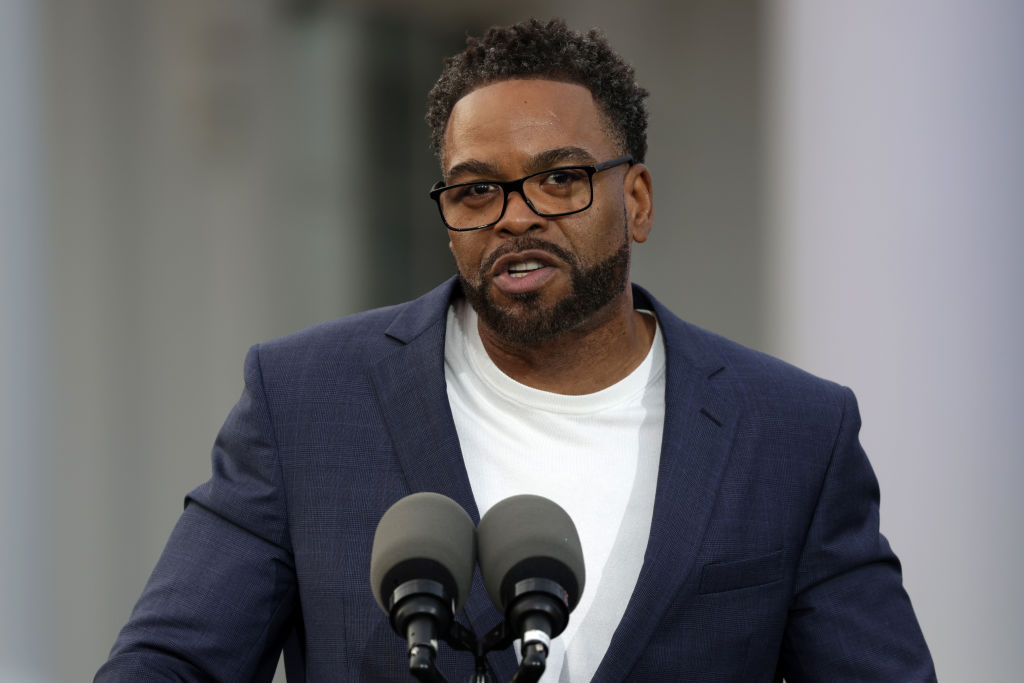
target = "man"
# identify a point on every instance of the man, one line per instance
(728, 515)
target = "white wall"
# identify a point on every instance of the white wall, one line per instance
(897, 186)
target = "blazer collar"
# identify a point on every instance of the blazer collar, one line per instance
(698, 432)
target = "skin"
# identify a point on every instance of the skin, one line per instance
(504, 131)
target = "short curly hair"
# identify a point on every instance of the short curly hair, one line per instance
(533, 49)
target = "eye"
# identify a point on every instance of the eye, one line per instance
(475, 192)
(561, 179)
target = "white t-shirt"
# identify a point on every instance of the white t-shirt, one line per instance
(596, 455)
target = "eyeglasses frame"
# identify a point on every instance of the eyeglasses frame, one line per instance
(509, 186)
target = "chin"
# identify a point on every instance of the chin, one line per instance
(529, 321)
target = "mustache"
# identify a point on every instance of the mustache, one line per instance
(525, 243)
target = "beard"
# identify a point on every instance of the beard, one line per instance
(528, 322)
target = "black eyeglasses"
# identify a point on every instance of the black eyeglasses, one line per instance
(556, 192)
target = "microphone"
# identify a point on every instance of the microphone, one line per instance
(421, 570)
(532, 566)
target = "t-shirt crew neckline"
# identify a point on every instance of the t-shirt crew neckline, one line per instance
(630, 386)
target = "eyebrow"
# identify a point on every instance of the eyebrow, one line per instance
(472, 167)
(560, 156)
(550, 158)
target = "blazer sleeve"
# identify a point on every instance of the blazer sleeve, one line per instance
(219, 602)
(851, 619)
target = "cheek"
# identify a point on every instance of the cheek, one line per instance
(594, 239)
(467, 255)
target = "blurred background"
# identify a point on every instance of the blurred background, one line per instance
(840, 184)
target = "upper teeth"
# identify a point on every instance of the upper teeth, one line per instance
(525, 266)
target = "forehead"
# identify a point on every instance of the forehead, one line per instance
(508, 122)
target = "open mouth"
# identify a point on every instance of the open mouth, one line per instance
(524, 268)
(524, 271)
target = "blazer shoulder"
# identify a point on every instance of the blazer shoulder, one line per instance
(356, 327)
(771, 389)
(365, 336)
(756, 380)
(747, 368)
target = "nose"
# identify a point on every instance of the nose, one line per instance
(518, 218)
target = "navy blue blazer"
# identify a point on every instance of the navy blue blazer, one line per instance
(764, 560)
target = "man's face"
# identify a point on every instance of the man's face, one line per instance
(532, 278)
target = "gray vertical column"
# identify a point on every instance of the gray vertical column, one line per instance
(25, 449)
(199, 165)
(898, 237)
(699, 59)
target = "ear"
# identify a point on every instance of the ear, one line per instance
(639, 202)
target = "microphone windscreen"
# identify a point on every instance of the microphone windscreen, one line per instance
(423, 536)
(529, 537)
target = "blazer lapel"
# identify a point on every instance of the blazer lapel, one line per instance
(413, 399)
(698, 432)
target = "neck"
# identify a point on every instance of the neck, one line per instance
(581, 361)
